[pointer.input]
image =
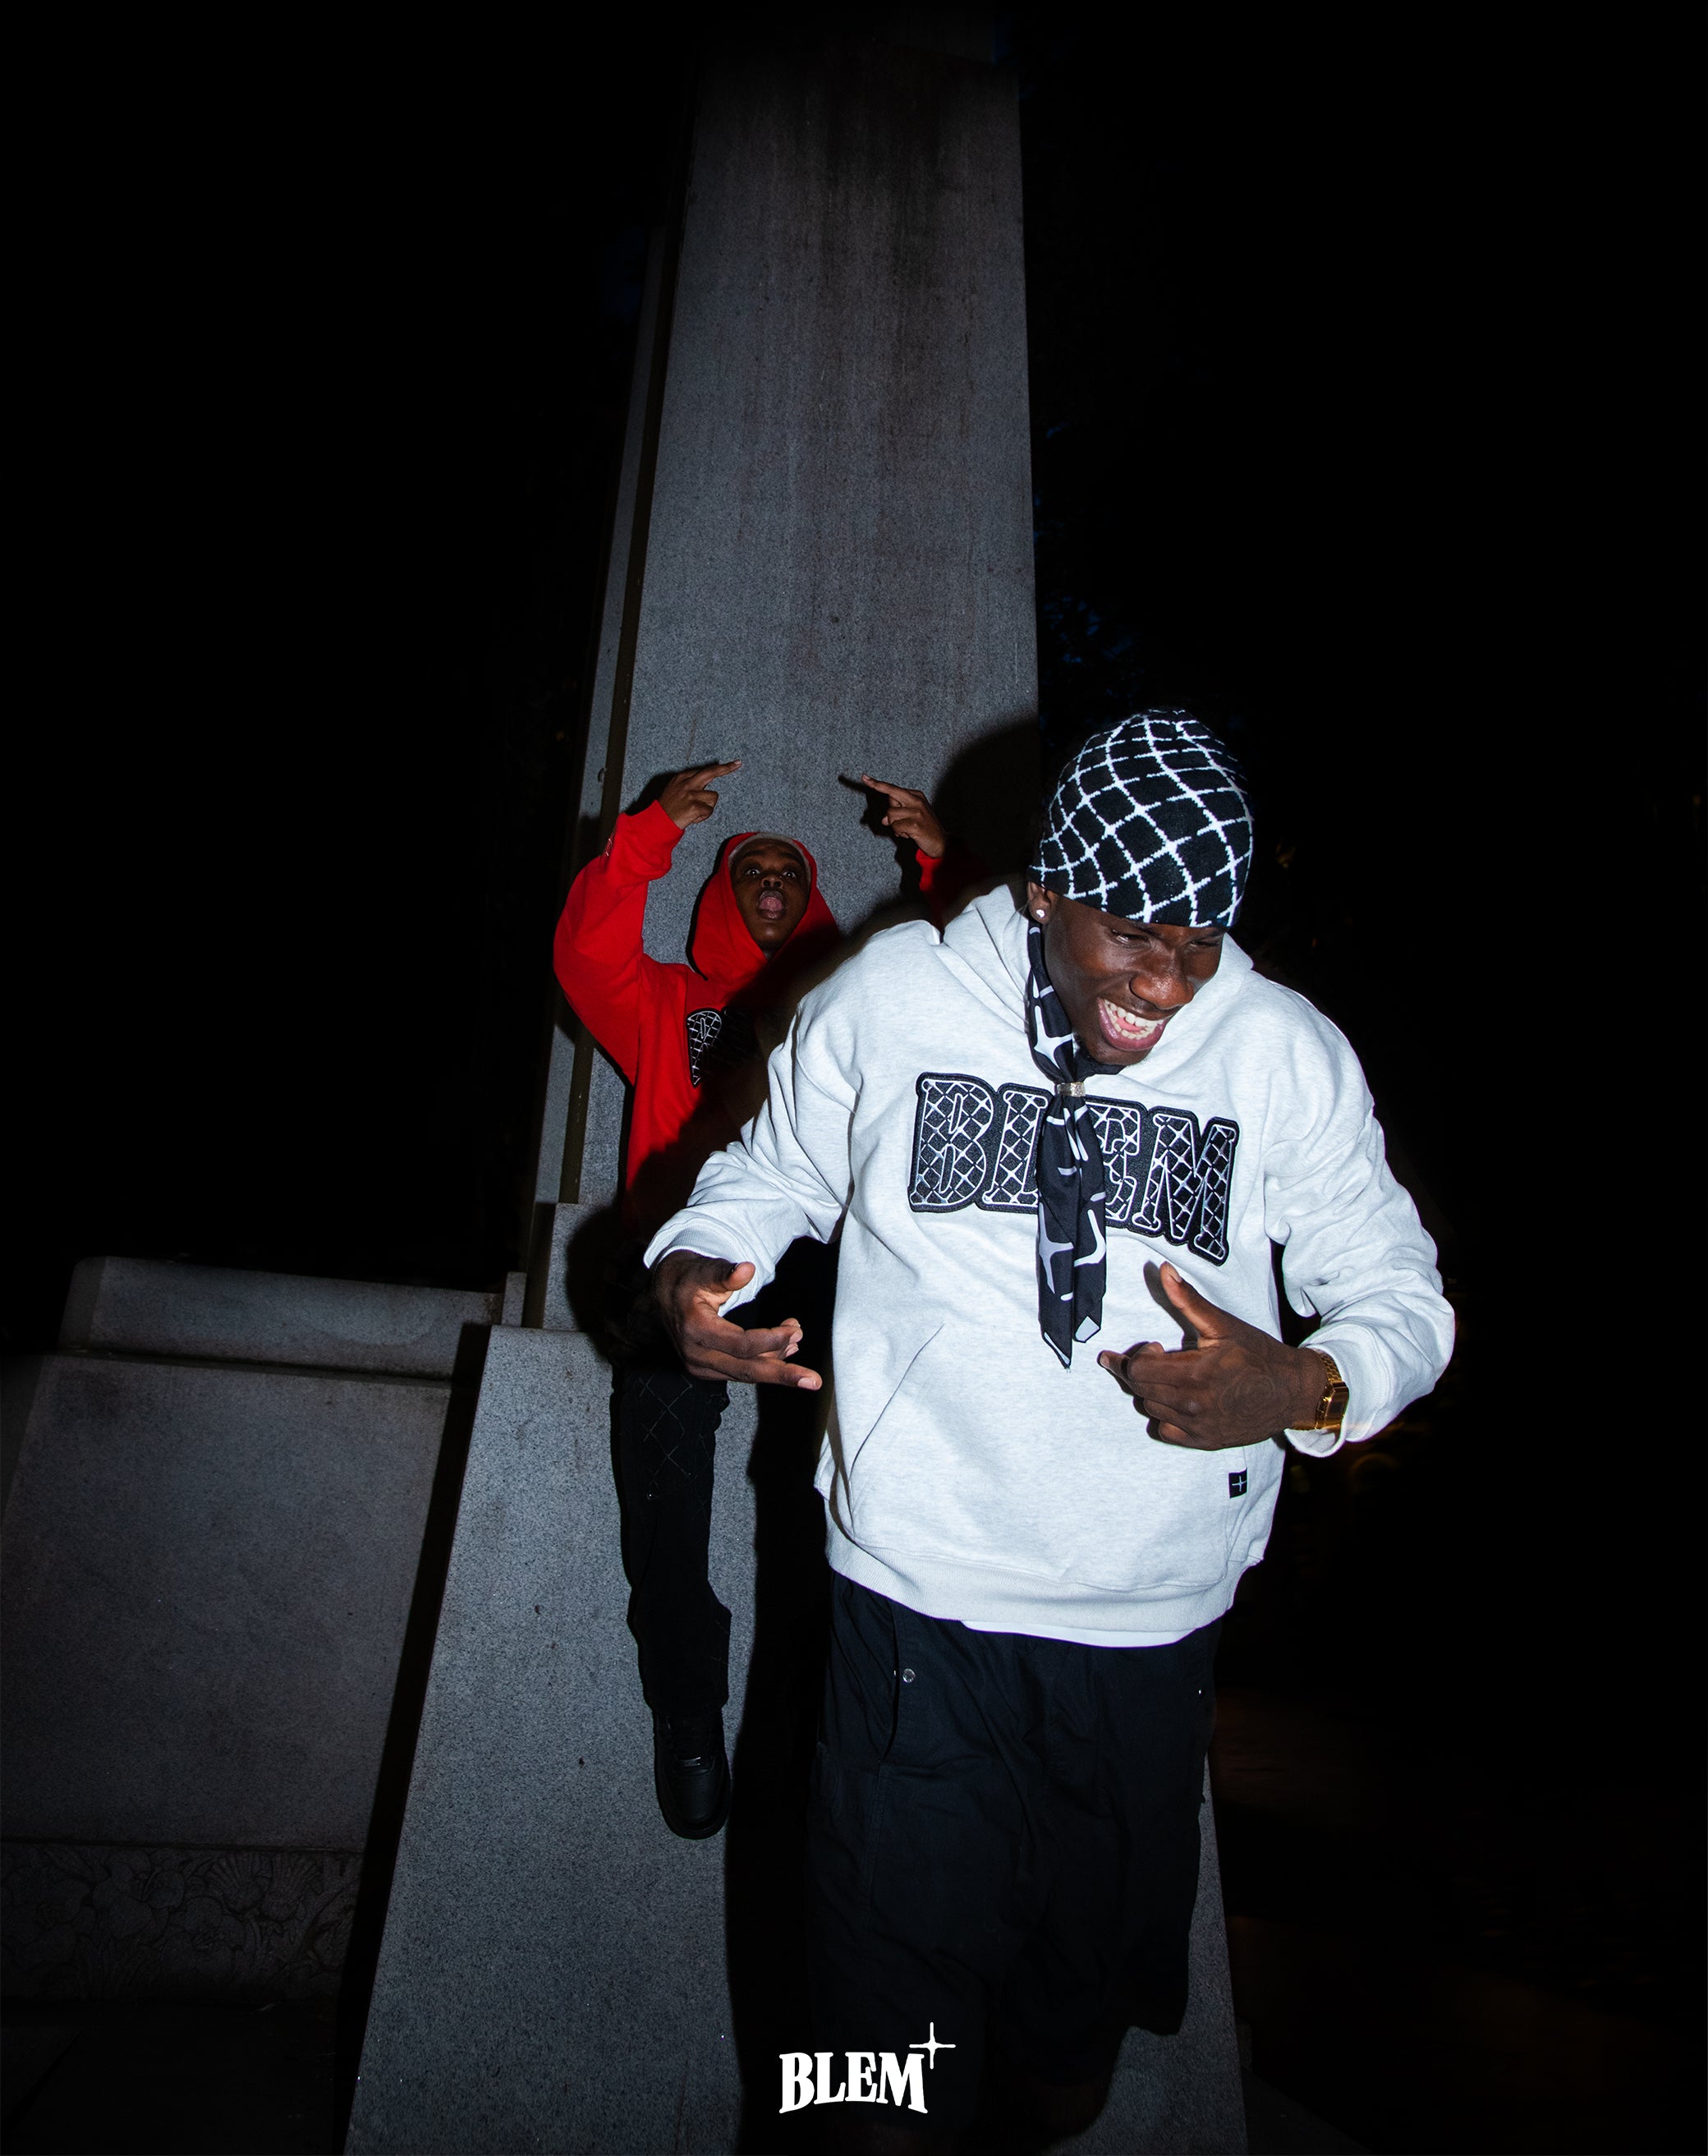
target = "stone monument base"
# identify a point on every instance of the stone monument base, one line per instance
(559, 1971)
(220, 1489)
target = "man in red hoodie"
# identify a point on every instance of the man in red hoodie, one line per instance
(691, 1040)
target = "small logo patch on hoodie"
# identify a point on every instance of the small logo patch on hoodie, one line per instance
(703, 1027)
(1236, 1482)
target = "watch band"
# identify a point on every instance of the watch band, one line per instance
(1332, 1409)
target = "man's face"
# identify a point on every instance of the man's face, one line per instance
(1120, 981)
(770, 889)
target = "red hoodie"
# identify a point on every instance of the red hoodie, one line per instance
(660, 1024)
(664, 1026)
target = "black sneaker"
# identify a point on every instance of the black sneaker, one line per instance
(691, 1773)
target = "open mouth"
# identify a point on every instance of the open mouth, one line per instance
(773, 905)
(1126, 1028)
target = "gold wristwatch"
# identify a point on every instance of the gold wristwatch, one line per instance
(1332, 1409)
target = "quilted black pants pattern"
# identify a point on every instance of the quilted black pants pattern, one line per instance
(667, 1439)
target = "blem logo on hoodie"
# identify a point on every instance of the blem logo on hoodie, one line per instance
(974, 1144)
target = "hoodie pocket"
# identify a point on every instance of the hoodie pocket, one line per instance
(960, 1463)
(860, 1406)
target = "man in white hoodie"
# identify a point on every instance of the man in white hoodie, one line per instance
(1079, 1118)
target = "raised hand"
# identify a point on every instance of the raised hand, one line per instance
(688, 798)
(1235, 1386)
(691, 1293)
(910, 816)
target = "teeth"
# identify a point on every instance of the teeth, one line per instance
(1123, 1026)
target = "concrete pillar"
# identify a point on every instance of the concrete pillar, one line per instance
(822, 564)
(822, 554)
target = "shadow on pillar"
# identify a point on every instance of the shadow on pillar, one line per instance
(403, 1728)
(988, 799)
(775, 1717)
(989, 796)
(765, 1845)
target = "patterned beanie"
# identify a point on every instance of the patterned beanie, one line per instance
(1150, 822)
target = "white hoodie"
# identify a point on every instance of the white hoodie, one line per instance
(966, 1473)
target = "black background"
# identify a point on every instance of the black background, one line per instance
(1363, 375)
(1365, 365)
(1360, 425)
(330, 368)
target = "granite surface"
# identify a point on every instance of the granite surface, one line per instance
(558, 1971)
(839, 569)
(553, 1972)
(837, 578)
(208, 1573)
(1181, 2095)
(566, 1286)
(144, 1306)
(97, 1920)
(19, 1375)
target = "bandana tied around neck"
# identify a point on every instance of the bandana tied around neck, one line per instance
(1072, 1271)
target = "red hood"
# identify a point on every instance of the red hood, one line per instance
(721, 946)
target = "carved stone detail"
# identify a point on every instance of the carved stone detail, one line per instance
(93, 1921)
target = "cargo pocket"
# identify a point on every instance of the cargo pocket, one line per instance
(877, 1805)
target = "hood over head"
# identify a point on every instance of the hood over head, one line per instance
(721, 947)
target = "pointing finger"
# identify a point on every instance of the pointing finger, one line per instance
(765, 1370)
(773, 1370)
(1116, 1365)
(754, 1346)
(707, 1359)
(1177, 1381)
(1111, 1359)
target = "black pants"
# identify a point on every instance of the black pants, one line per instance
(1003, 1844)
(667, 1435)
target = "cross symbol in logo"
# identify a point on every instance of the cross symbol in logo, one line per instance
(932, 2046)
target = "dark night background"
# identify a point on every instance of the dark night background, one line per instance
(1366, 363)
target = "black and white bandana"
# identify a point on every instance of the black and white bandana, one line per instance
(1072, 1267)
(1150, 822)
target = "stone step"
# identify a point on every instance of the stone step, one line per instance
(214, 1313)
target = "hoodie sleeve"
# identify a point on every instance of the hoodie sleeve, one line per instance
(1353, 1250)
(788, 1174)
(945, 882)
(597, 953)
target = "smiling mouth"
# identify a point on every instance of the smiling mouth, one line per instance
(1126, 1028)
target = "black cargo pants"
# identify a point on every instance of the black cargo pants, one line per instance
(1003, 1844)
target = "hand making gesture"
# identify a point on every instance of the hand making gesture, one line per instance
(689, 796)
(1236, 1385)
(910, 816)
(691, 1293)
